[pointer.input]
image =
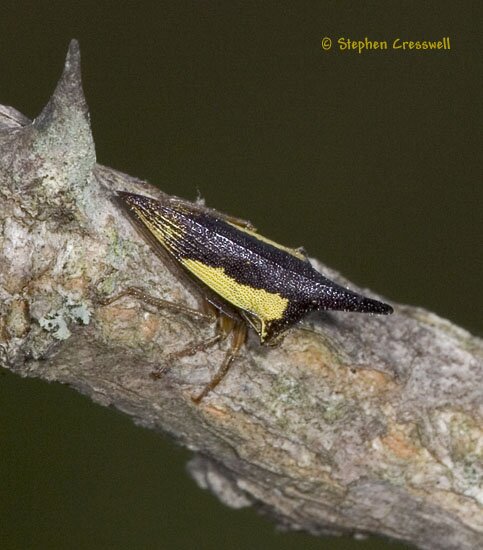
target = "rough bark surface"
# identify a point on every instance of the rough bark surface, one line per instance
(362, 425)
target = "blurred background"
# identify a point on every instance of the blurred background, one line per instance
(370, 161)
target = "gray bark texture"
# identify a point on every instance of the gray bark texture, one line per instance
(362, 425)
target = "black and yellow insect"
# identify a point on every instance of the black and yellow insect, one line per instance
(248, 279)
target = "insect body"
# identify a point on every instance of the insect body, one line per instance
(247, 277)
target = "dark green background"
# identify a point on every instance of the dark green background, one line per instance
(370, 161)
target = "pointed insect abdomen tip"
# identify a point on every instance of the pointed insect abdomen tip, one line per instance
(374, 306)
(362, 304)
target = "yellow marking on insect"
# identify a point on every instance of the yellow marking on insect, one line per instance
(267, 306)
(161, 227)
(292, 251)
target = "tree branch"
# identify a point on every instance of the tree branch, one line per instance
(361, 425)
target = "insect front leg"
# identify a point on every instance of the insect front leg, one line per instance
(208, 314)
(239, 335)
(192, 349)
(226, 325)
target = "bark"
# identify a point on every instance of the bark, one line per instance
(362, 425)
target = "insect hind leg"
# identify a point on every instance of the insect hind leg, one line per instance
(143, 296)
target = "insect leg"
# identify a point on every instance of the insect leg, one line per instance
(186, 352)
(245, 224)
(239, 334)
(140, 294)
(227, 217)
(226, 325)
